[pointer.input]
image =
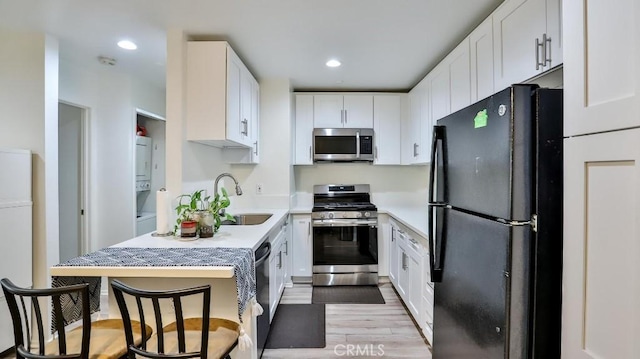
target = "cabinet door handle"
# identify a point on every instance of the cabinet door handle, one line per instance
(547, 43)
(309, 229)
(404, 260)
(342, 117)
(280, 260)
(538, 46)
(245, 125)
(375, 152)
(286, 247)
(415, 150)
(310, 158)
(256, 147)
(345, 116)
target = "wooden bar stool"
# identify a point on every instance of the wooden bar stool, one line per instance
(201, 337)
(102, 339)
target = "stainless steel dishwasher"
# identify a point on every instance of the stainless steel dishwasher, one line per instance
(262, 293)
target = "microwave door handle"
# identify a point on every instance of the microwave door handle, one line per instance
(357, 144)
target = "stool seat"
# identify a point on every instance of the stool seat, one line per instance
(106, 342)
(223, 335)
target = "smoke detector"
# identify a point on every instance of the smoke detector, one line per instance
(107, 60)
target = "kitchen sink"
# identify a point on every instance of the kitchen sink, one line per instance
(248, 219)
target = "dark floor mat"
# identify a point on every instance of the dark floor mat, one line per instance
(297, 326)
(347, 295)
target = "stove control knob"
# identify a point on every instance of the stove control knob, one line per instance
(322, 215)
(330, 215)
(359, 214)
(367, 214)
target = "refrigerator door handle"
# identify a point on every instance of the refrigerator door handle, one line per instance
(438, 136)
(436, 268)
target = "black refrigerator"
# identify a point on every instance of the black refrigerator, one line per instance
(495, 223)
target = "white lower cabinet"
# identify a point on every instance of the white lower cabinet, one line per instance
(393, 255)
(409, 275)
(403, 275)
(427, 311)
(277, 267)
(301, 246)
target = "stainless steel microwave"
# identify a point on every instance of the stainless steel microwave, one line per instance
(343, 144)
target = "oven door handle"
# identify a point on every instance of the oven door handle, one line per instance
(344, 223)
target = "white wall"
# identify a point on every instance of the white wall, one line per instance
(28, 120)
(406, 185)
(111, 98)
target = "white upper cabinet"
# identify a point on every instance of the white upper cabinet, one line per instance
(358, 111)
(459, 76)
(440, 92)
(526, 40)
(303, 130)
(481, 60)
(416, 149)
(348, 111)
(449, 85)
(220, 96)
(387, 114)
(602, 55)
(328, 111)
(250, 155)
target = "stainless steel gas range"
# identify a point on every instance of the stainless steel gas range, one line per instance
(345, 236)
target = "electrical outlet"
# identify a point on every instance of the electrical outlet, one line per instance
(259, 188)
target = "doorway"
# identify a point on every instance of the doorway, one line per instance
(71, 180)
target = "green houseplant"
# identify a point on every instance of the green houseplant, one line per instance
(198, 214)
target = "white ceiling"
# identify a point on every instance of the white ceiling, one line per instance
(383, 44)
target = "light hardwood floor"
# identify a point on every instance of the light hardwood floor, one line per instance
(370, 330)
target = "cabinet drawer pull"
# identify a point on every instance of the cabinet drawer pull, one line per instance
(256, 146)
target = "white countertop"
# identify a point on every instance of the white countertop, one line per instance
(230, 236)
(300, 210)
(415, 217)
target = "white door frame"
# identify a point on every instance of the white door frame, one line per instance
(138, 111)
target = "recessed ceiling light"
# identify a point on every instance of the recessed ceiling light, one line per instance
(127, 45)
(333, 63)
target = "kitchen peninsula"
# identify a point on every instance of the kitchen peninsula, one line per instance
(224, 296)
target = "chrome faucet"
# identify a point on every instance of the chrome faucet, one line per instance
(215, 186)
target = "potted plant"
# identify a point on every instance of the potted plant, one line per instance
(186, 210)
(216, 209)
(201, 215)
